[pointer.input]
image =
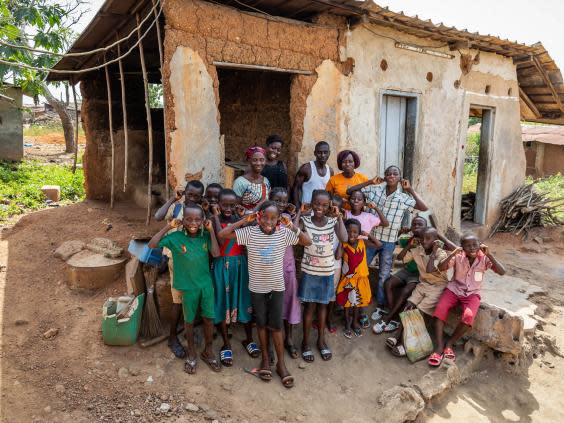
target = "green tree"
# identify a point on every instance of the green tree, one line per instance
(43, 25)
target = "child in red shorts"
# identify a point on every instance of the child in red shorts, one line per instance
(470, 263)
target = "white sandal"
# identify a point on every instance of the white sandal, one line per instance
(392, 326)
(378, 314)
(379, 327)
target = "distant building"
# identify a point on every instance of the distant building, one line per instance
(11, 125)
(544, 150)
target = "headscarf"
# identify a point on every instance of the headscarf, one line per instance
(341, 156)
(252, 150)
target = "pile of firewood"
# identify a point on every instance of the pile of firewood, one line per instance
(526, 208)
(467, 206)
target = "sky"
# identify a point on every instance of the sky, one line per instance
(517, 20)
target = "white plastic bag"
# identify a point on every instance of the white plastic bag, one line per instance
(416, 339)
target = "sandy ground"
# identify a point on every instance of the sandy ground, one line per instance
(74, 377)
(50, 148)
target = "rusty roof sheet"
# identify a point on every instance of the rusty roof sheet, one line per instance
(541, 86)
(543, 134)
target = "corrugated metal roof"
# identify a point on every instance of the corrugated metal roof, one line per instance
(540, 80)
(543, 134)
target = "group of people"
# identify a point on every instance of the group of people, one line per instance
(343, 221)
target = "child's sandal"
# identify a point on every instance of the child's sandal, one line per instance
(399, 351)
(435, 359)
(391, 342)
(357, 332)
(449, 354)
(392, 326)
(364, 321)
(251, 348)
(348, 333)
(226, 357)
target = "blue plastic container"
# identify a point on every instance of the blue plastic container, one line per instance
(141, 250)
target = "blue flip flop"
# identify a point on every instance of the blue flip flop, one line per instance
(226, 357)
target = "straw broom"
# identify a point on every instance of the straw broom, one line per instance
(151, 326)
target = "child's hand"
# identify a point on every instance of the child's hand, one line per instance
(291, 209)
(377, 180)
(404, 230)
(364, 233)
(175, 223)
(437, 244)
(372, 205)
(456, 251)
(409, 306)
(179, 192)
(205, 205)
(214, 208)
(334, 211)
(485, 249)
(240, 210)
(208, 225)
(305, 208)
(405, 184)
(285, 220)
(413, 242)
(251, 217)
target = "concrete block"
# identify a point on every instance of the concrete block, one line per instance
(438, 381)
(52, 192)
(164, 297)
(88, 270)
(69, 248)
(399, 404)
(495, 327)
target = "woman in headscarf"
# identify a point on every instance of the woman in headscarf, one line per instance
(252, 187)
(347, 162)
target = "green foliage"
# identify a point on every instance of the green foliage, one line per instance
(40, 24)
(470, 177)
(473, 144)
(156, 96)
(20, 186)
(553, 187)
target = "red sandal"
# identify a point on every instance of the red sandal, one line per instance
(435, 359)
(449, 354)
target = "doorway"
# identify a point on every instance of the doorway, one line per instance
(476, 175)
(253, 105)
(398, 123)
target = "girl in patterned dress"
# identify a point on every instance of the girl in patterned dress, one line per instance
(231, 280)
(353, 292)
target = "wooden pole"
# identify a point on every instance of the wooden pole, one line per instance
(124, 112)
(75, 128)
(149, 121)
(108, 85)
(159, 40)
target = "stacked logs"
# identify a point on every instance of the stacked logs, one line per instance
(467, 206)
(526, 208)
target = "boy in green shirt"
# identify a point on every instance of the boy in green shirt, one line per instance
(190, 248)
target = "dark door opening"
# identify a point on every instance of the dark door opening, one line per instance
(253, 105)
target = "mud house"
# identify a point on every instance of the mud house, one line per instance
(397, 89)
(544, 150)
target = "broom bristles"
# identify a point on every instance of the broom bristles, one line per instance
(151, 325)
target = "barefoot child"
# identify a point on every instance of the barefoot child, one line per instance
(292, 310)
(369, 222)
(353, 291)
(231, 280)
(470, 263)
(318, 265)
(190, 247)
(173, 209)
(266, 244)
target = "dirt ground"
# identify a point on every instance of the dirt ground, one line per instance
(50, 148)
(74, 377)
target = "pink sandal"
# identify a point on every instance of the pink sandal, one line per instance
(435, 359)
(449, 354)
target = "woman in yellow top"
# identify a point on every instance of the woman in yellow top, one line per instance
(353, 291)
(347, 162)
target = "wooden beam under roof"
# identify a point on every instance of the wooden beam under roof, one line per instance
(529, 103)
(546, 78)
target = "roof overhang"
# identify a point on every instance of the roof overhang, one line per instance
(541, 87)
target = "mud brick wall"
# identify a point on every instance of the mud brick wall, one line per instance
(224, 34)
(98, 152)
(253, 106)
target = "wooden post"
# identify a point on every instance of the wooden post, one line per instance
(124, 112)
(75, 128)
(108, 85)
(149, 121)
(159, 40)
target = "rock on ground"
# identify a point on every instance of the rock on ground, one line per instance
(69, 248)
(398, 404)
